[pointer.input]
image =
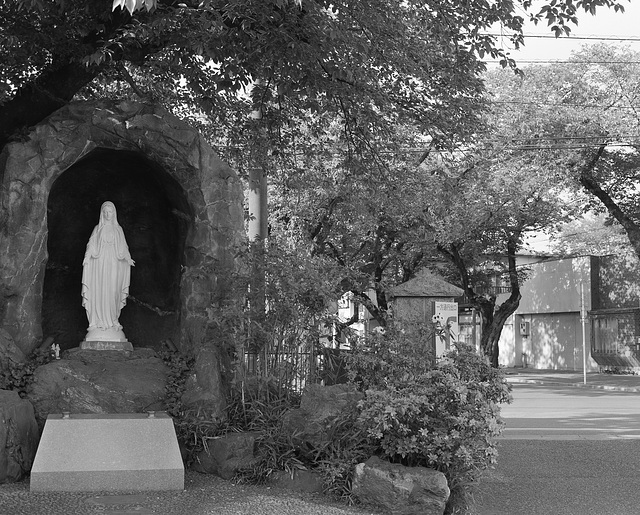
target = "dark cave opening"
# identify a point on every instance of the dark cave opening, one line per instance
(155, 216)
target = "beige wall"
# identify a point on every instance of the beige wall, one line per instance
(551, 301)
(554, 286)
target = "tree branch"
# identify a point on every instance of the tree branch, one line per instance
(590, 183)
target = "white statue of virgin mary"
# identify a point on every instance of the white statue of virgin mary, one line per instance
(106, 272)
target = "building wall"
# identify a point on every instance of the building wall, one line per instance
(554, 286)
(413, 309)
(551, 303)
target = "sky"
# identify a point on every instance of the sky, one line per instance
(606, 23)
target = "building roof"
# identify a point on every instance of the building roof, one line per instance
(426, 284)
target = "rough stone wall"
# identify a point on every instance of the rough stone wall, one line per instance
(28, 170)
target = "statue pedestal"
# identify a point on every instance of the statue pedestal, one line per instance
(106, 339)
(119, 452)
(104, 345)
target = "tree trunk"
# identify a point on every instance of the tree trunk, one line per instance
(507, 308)
(34, 102)
(493, 319)
(491, 332)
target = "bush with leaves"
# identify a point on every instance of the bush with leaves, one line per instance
(447, 418)
(347, 444)
(193, 424)
(391, 357)
(259, 404)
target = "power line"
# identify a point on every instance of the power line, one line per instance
(557, 61)
(556, 104)
(567, 38)
(565, 138)
(563, 147)
(510, 147)
(561, 236)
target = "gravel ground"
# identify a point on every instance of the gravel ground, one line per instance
(203, 494)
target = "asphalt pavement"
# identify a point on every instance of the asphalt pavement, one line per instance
(569, 448)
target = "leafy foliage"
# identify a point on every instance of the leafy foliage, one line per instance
(593, 234)
(390, 358)
(586, 130)
(259, 405)
(447, 418)
(269, 359)
(346, 444)
(443, 415)
(417, 60)
(194, 425)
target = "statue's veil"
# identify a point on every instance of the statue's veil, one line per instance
(115, 213)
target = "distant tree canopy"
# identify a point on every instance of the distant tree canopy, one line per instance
(582, 120)
(378, 62)
(594, 234)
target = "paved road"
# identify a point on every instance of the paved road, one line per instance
(566, 451)
(558, 412)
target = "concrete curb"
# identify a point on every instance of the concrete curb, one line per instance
(612, 388)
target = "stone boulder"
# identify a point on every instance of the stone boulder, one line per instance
(205, 387)
(401, 490)
(91, 381)
(225, 455)
(19, 436)
(319, 404)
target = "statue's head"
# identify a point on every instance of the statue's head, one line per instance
(108, 213)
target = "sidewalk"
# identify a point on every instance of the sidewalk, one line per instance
(596, 380)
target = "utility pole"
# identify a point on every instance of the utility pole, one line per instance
(257, 235)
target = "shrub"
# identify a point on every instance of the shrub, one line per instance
(346, 445)
(260, 405)
(447, 418)
(392, 357)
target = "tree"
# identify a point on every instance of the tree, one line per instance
(479, 215)
(593, 234)
(358, 209)
(588, 129)
(381, 219)
(417, 59)
(372, 66)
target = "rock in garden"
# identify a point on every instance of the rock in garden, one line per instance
(320, 404)
(91, 381)
(401, 490)
(225, 455)
(19, 436)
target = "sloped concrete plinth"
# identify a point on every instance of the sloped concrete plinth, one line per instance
(120, 452)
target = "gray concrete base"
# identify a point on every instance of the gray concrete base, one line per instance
(95, 453)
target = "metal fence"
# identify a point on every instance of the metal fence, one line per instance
(293, 369)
